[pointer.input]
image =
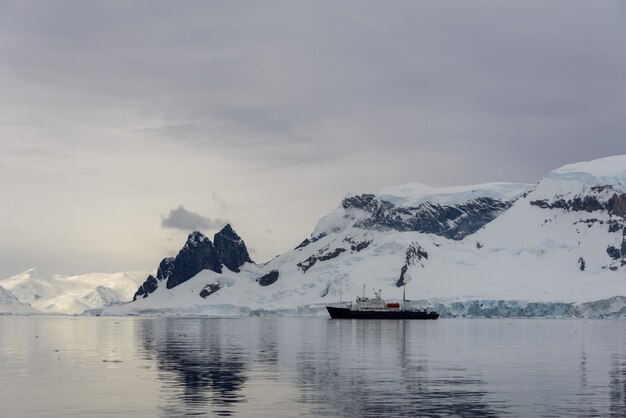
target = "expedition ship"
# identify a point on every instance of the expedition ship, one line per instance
(377, 308)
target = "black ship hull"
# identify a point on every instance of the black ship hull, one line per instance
(345, 313)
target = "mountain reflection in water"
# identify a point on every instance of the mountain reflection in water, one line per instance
(199, 357)
(338, 368)
(310, 367)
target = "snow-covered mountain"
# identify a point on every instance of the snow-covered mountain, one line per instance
(555, 248)
(72, 294)
(10, 305)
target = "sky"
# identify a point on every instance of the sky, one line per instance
(125, 124)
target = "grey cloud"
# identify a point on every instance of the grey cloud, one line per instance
(184, 220)
(308, 82)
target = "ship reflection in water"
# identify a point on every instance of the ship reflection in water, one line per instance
(314, 367)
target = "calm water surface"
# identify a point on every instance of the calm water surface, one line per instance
(289, 367)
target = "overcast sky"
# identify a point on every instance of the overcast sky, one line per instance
(124, 124)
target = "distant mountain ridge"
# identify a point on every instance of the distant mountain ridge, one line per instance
(9, 304)
(55, 293)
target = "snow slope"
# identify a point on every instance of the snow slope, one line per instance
(10, 305)
(72, 294)
(413, 194)
(557, 248)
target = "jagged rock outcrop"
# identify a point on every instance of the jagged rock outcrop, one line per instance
(414, 254)
(615, 205)
(165, 268)
(269, 278)
(198, 254)
(308, 241)
(149, 286)
(209, 289)
(450, 221)
(614, 225)
(322, 255)
(232, 249)
(357, 246)
(613, 252)
(577, 204)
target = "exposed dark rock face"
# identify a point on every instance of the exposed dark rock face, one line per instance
(231, 248)
(578, 204)
(356, 246)
(165, 268)
(149, 286)
(209, 289)
(334, 253)
(269, 278)
(303, 244)
(624, 244)
(452, 222)
(310, 241)
(615, 225)
(581, 264)
(590, 222)
(613, 252)
(414, 254)
(360, 245)
(308, 263)
(322, 255)
(366, 202)
(198, 254)
(616, 205)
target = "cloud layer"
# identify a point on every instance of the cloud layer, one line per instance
(184, 220)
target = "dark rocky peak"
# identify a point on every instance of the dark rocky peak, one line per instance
(197, 254)
(195, 238)
(366, 202)
(228, 232)
(231, 248)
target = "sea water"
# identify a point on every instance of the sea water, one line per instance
(310, 367)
